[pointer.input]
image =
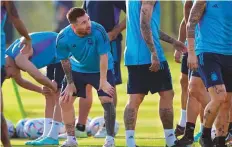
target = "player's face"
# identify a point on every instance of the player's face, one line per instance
(83, 25)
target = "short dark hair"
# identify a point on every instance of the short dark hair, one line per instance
(74, 13)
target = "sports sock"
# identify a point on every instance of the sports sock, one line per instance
(80, 127)
(47, 126)
(170, 137)
(54, 131)
(130, 140)
(189, 130)
(182, 121)
(206, 133)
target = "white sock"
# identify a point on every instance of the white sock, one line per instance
(170, 137)
(182, 122)
(54, 131)
(47, 126)
(72, 139)
(201, 127)
(130, 140)
(109, 138)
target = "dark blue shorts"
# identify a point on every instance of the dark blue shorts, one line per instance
(184, 65)
(3, 75)
(82, 79)
(116, 52)
(117, 73)
(56, 72)
(216, 69)
(141, 80)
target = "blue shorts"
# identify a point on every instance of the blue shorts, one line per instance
(184, 65)
(3, 74)
(141, 80)
(82, 79)
(216, 69)
(56, 72)
(116, 51)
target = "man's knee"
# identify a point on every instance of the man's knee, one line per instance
(218, 93)
(65, 106)
(167, 95)
(135, 100)
(106, 99)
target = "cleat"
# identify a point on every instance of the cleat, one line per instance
(179, 130)
(46, 141)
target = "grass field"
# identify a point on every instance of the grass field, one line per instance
(148, 130)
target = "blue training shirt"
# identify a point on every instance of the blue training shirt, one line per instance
(137, 52)
(44, 49)
(85, 51)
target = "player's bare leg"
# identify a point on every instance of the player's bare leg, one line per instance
(130, 117)
(184, 96)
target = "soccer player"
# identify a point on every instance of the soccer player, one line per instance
(198, 96)
(106, 13)
(214, 59)
(91, 63)
(8, 8)
(44, 54)
(148, 69)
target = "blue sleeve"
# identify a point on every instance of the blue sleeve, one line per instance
(61, 47)
(120, 5)
(103, 42)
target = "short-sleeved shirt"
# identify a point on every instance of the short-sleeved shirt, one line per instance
(85, 51)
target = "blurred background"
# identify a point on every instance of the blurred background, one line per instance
(40, 16)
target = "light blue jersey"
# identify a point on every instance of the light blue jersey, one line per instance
(215, 28)
(85, 50)
(137, 52)
(3, 37)
(44, 49)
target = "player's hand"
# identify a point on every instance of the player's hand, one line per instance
(179, 46)
(192, 61)
(55, 87)
(27, 46)
(106, 87)
(155, 63)
(46, 91)
(177, 56)
(67, 94)
(112, 35)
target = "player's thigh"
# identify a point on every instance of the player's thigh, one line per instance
(58, 74)
(210, 69)
(78, 79)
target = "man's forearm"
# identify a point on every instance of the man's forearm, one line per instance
(120, 27)
(28, 85)
(13, 14)
(165, 37)
(103, 66)
(145, 26)
(67, 70)
(195, 16)
(182, 31)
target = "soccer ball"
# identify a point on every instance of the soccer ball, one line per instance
(95, 124)
(11, 129)
(86, 125)
(33, 128)
(20, 127)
